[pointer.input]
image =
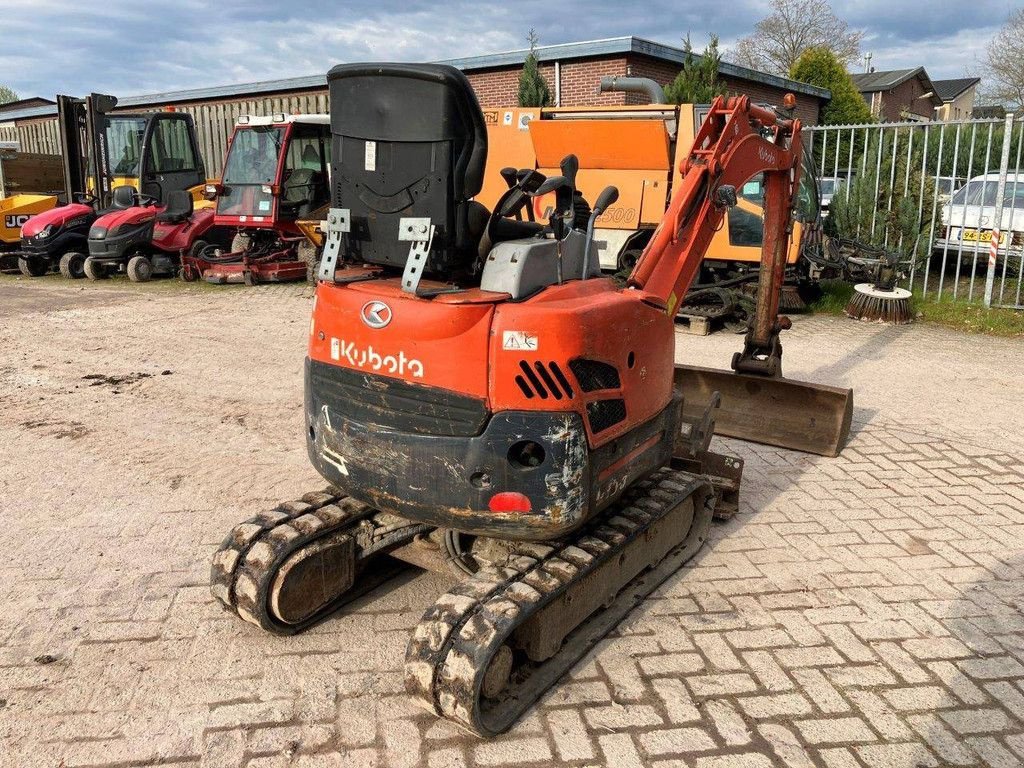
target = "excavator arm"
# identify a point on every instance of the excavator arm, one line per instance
(737, 141)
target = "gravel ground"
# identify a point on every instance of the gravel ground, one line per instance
(864, 610)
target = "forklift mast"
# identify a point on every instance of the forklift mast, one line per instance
(81, 125)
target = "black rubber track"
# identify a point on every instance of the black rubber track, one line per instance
(459, 635)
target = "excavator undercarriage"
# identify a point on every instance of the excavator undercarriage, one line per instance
(489, 647)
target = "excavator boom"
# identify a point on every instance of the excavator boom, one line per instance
(736, 142)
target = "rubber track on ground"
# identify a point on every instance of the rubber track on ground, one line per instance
(245, 565)
(453, 644)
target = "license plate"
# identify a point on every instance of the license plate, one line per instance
(983, 235)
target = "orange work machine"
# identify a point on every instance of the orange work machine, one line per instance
(486, 404)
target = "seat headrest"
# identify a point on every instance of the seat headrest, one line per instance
(124, 197)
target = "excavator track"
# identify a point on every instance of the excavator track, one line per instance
(290, 567)
(493, 644)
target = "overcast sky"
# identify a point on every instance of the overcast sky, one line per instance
(128, 47)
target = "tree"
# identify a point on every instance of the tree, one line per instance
(821, 67)
(533, 88)
(1004, 62)
(872, 211)
(7, 94)
(697, 82)
(794, 26)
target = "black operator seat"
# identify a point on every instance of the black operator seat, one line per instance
(123, 197)
(178, 208)
(409, 141)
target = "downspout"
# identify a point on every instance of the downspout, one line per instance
(645, 85)
(558, 83)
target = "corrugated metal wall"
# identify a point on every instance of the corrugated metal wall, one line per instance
(214, 122)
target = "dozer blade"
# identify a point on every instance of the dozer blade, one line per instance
(799, 415)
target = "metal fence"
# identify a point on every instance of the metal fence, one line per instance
(947, 197)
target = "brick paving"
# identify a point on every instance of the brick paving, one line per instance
(858, 611)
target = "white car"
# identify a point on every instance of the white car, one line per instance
(828, 187)
(968, 217)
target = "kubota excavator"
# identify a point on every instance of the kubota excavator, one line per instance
(484, 403)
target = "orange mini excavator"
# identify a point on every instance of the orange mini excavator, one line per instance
(484, 403)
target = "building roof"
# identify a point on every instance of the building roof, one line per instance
(948, 90)
(625, 45)
(580, 50)
(867, 82)
(20, 104)
(871, 82)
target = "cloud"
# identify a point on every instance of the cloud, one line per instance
(128, 48)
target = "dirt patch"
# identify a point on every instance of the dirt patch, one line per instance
(72, 430)
(122, 380)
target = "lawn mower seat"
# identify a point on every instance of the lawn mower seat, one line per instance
(178, 208)
(297, 194)
(410, 143)
(124, 197)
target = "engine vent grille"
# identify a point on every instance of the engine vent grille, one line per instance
(543, 380)
(605, 413)
(593, 374)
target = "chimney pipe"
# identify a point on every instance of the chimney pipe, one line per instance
(634, 85)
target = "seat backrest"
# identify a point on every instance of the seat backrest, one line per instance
(124, 197)
(178, 208)
(310, 158)
(298, 185)
(409, 141)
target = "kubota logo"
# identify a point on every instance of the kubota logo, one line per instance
(375, 314)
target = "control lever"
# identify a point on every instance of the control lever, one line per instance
(550, 185)
(607, 197)
(570, 166)
(565, 207)
(510, 175)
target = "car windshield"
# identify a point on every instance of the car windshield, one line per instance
(253, 156)
(124, 145)
(983, 193)
(828, 186)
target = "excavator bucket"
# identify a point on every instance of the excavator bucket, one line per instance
(799, 415)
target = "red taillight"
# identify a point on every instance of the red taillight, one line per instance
(509, 501)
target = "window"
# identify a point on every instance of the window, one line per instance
(252, 158)
(171, 146)
(124, 145)
(307, 148)
(746, 228)
(983, 193)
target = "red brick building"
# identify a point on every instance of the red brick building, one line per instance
(899, 95)
(573, 72)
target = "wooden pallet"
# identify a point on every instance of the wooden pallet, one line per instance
(700, 324)
(697, 325)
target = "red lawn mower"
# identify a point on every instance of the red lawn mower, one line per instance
(143, 239)
(275, 175)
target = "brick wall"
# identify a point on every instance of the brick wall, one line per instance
(904, 97)
(581, 78)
